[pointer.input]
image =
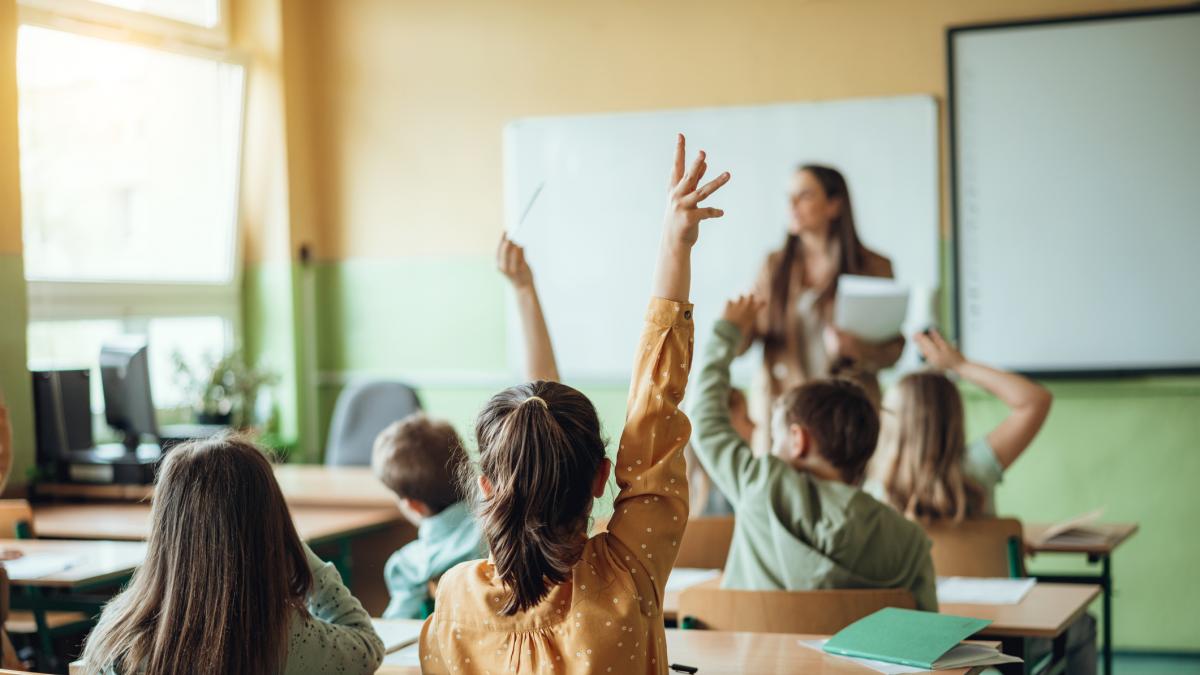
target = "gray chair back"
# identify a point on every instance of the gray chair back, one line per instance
(363, 410)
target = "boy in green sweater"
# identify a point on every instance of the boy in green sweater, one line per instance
(802, 521)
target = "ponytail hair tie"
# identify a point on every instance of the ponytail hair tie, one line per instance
(538, 399)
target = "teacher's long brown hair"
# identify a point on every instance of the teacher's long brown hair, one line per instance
(851, 257)
(224, 575)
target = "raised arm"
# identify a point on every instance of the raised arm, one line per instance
(1027, 401)
(724, 454)
(681, 229)
(539, 351)
(650, 512)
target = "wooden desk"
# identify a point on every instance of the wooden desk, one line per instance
(357, 540)
(1044, 613)
(131, 522)
(721, 653)
(100, 562)
(302, 485)
(1100, 554)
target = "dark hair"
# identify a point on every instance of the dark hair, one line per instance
(223, 561)
(419, 458)
(540, 447)
(851, 259)
(841, 419)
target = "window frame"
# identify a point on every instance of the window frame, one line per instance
(133, 302)
(60, 299)
(161, 29)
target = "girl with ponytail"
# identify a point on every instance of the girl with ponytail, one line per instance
(551, 599)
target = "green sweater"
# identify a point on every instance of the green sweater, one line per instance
(794, 531)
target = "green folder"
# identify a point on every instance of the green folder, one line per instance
(904, 636)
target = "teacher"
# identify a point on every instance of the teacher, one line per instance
(798, 284)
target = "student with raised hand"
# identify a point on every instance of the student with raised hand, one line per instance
(227, 586)
(539, 351)
(801, 521)
(550, 599)
(924, 467)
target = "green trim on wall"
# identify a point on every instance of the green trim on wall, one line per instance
(14, 373)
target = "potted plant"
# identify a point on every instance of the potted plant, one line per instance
(222, 391)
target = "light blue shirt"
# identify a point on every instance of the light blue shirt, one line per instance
(443, 541)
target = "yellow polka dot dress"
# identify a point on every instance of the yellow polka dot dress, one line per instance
(608, 617)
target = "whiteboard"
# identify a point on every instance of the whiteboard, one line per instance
(1077, 159)
(592, 234)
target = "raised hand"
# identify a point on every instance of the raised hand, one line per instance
(681, 225)
(684, 213)
(510, 260)
(742, 311)
(938, 353)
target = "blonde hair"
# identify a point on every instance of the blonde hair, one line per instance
(923, 449)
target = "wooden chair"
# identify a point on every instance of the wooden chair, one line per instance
(16, 519)
(982, 547)
(822, 612)
(16, 522)
(705, 543)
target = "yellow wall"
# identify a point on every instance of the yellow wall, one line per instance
(408, 99)
(10, 184)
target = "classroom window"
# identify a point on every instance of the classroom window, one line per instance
(129, 161)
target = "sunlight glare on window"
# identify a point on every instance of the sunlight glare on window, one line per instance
(129, 161)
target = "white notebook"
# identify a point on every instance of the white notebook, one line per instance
(686, 577)
(397, 635)
(38, 565)
(982, 591)
(869, 307)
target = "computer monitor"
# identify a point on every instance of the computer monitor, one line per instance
(62, 413)
(125, 378)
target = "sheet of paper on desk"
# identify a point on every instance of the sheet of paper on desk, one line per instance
(396, 635)
(870, 307)
(38, 565)
(409, 656)
(982, 591)
(877, 666)
(1076, 531)
(686, 577)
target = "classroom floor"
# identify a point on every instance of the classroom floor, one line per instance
(1153, 664)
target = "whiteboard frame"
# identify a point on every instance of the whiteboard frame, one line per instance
(953, 32)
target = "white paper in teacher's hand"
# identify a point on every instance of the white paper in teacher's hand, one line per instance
(871, 308)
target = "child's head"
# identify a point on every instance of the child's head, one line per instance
(221, 540)
(541, 463)
(921, 449)
(739, 415)
(419, 459)
(827, 427)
